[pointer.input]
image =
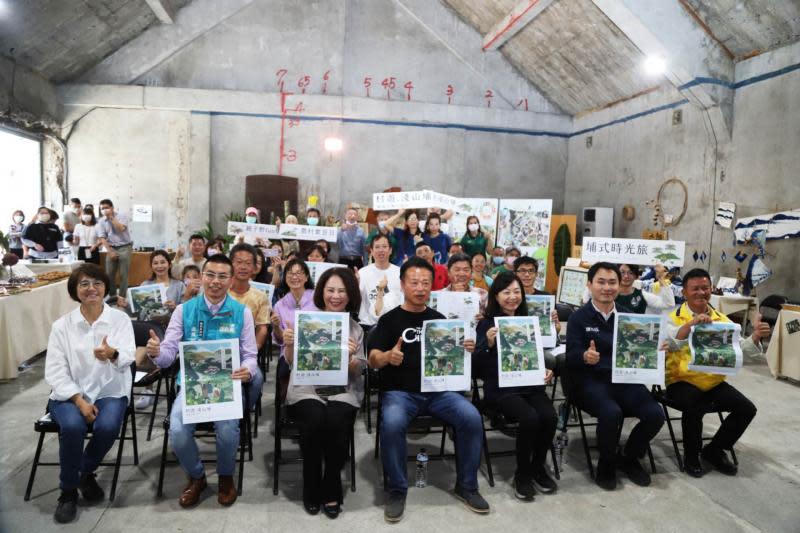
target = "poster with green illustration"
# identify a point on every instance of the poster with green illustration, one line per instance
(520, 355)
(210, 393)
(636, 357)
(541, 306)
(446, 365)
(320, 348)
(525, 224)
(716, 348)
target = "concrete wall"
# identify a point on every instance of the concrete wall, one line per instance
(26, 98)
(629, 161)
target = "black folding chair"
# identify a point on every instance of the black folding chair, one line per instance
(203, 430)
(286, 428)
(666, 402)
(141, 334)
(46, 424)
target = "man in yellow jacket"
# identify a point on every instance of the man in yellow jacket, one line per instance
(693, 391)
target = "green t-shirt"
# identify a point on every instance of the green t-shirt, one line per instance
(501, 268)
(473, 245)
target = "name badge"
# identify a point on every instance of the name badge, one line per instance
(229, 328)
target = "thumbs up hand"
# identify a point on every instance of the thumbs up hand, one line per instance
(395, 355)
(153, 345)
(591, 356)
(104, 352)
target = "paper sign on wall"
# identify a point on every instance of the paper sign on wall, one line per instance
(633, 251)
(142, 213)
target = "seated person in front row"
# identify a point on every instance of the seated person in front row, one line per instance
(395, 349)
(88, 368)
(210, 316)
(694, 391)
(590, 335)
(326, 414)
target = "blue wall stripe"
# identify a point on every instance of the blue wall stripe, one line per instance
(533, 133)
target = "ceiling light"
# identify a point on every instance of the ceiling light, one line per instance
(655, 65)
(333, 144)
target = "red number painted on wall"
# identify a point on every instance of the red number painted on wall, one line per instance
(295, 120)
(408, 85)
(523, 104)
(325, 78)
(304, 82)
(489, 95)
(389, 84)
(280, 74)
(368, 84)
(450, 92)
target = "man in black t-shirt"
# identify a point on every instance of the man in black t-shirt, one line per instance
(394, 348)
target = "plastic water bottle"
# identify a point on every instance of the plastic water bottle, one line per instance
(422, 469)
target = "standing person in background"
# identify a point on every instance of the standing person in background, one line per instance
(407, 237)
(379, 283)
(440, 242)
(479, 278)
(633, 300)
(215, 246)
(85, 237)
(440, 276)
(383, 229)
(197, 251)
(42, 236)
(352, 241)
(475, 240)
(70, 219)
(313, 218)
(496, 258)
(511, 255)
(114, 235)
(15, 232)
(289, 246)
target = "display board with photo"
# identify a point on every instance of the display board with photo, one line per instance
(210, 394)
(520, 354)
(446, 365)
(321, 355)
(147, 301)
(636, 354)
(716, 348)
(542, 306)
(266, 288)
(526, 225)
(458, 305)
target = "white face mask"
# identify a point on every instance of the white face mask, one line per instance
(250, 220)
(473, 227)
(212, 251)
(44, 218)
(86, 218)
(76, 210)
(18, 219)
(107, 211)
(382, 224)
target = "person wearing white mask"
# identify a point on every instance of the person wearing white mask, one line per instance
(70, 219)
(114, 234)
(43, 238)
(84, 237)
(14, 234)
(475, 240)
(352, 241)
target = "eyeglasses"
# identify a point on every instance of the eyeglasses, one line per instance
(85, 284)
(295, 274)
(526, 271)
(211, 276)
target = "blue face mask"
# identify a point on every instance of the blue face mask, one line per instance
(250, 220)
(497, 259)
(382, 224)
(312, 221)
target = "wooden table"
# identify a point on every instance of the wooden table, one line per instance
(139, 270)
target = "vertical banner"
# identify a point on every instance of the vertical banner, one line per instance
(446, 365)
(210, 394)
(716, 348)
(542, 306)
(520, 357)
(636, 356)
(526, 225)
(321, 356)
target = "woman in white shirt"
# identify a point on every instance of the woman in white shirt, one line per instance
(88, 368)
(85, 238)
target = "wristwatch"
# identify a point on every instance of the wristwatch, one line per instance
(115, 356)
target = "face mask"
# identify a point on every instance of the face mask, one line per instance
(250, 220)
(510, 260)
(18, 219)
(86, 218)
(350, 223)
(212, 251)
(106, 212)
(473, 227)
(382, 224)
(44, 219)
(313, 221)
(497, 259)
(76, 210)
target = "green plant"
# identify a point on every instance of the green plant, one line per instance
(562, 247)
(3, 241)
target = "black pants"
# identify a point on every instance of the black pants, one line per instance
(324, 435)
(694, 403)
(352, 261)
(610, 403)
(537, 420)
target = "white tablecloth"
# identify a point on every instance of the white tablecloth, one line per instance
(783, 354)
(733, 304)
(25, 321)
(41, 268)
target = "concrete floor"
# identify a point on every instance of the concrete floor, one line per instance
(765, 496)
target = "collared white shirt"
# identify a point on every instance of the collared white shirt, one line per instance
(71, 367)
(606, 316)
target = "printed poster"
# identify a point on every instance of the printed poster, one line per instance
(542, 306)
(210, 394)
(266, 288)
(571, 285)
(636, 357)
(147, 301)
(390, 201)
(633, 251)
(316, 269)
(458, 305)
(520, 354)
(300, 232)
(483, 208)
(716, 348)
(265, 231)
(321, 355)
(526, 225)
(446, 365)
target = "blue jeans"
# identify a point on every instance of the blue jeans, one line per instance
(185, 447)
(74, 459)
(254, 390)
(399, 408)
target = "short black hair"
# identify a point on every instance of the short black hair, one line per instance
(695, 273)
(284, 288)
(314, 209)
(189, 268)
(196, 236)
(89, 270)
(350, 286)
(319, 249)
(605, 266)
(74, 200)
(500, 283)
(457, 258)
(420, 244)
(416, 262)
(219, 258)
(511, 250)
(526, 260)
(380, 235)
(106, 201)
(633, 268)
(244, 247)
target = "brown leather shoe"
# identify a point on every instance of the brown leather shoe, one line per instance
(191, 493)
(227, 491)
